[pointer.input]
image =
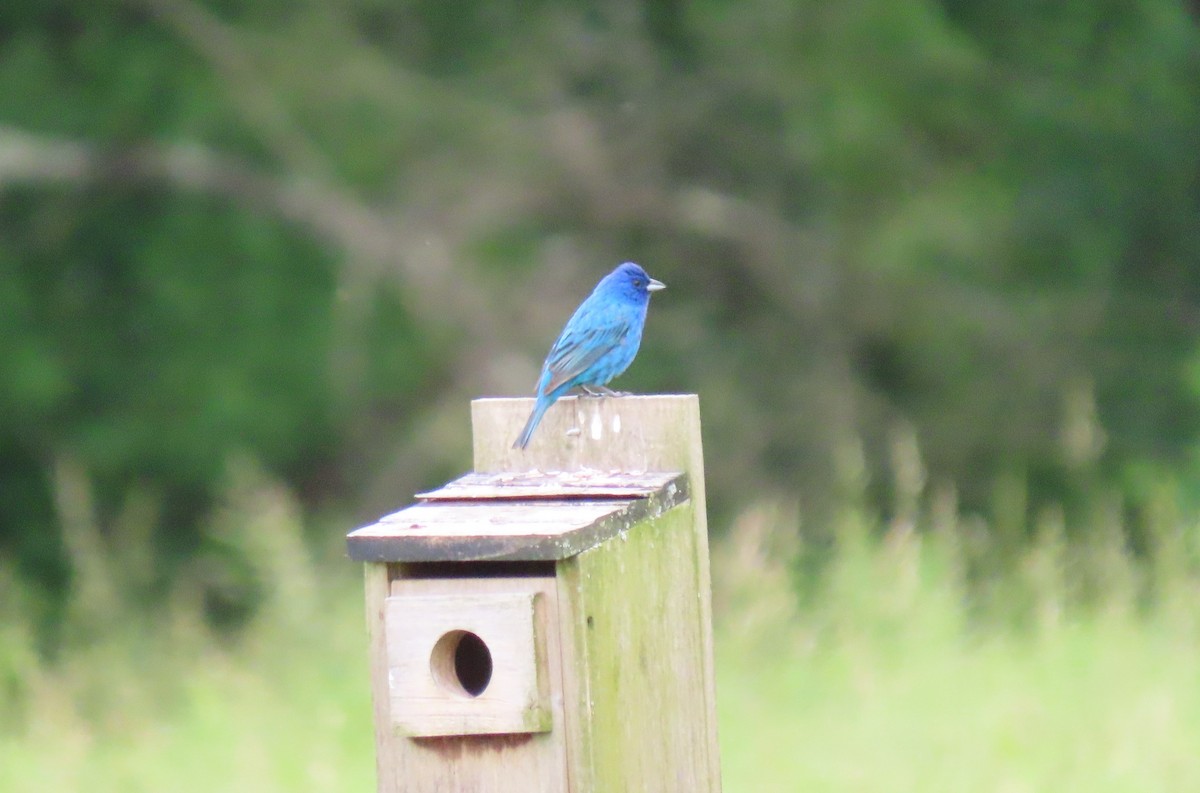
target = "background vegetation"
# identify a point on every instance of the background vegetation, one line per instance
(932, 270)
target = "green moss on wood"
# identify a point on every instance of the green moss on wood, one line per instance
(640, 656)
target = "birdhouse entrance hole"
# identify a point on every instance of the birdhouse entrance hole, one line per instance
(461, 663)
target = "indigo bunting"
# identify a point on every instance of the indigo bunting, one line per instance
(598, 342)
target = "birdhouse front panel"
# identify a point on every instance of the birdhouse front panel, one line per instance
(470, 657)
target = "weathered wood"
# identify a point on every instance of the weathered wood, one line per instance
(637, 656)
(632, 433)
(476, 530)
(425, 628)
(509, 763)
(377, 583)
(553, 485)
(609, 551)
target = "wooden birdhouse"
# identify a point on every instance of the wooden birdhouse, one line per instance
(543, 623)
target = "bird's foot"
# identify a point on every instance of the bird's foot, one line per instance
(605, 391)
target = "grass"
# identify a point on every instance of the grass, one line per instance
(1100, 707)
(901, 662)
(893, 676)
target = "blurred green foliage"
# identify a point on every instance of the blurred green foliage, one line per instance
(307, 233)
(917, 660)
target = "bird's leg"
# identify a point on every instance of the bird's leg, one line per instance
(606, 391)
(594, 391)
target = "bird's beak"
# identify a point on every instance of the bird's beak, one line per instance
(655, 285)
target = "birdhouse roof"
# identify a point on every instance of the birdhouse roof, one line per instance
(527, 516)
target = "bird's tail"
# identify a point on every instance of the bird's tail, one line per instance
(535, 417)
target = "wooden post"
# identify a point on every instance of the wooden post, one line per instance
(544, 624)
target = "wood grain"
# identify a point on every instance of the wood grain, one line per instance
(428, 698)
(554, 485)
(622, 648)
(630, 434)
(507, 763)
(653, 579)
(637, 656)
(478, 529)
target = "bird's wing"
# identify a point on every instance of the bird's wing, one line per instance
(579, 348)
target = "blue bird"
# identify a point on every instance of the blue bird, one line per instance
(599, 341)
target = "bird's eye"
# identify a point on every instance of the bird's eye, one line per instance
(637, 282)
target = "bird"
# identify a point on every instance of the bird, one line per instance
(598, 342)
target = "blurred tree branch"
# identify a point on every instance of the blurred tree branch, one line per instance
(375, 242)
(255, 98)
(339, 219)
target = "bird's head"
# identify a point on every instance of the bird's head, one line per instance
(632, 281)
